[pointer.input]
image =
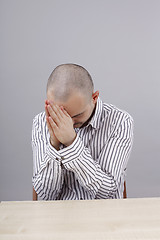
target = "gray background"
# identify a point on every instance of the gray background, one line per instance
(119, 44)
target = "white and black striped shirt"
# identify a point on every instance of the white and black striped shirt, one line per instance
(93, 166)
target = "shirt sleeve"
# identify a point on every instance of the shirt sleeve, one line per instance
(101, 180)
(47, 177)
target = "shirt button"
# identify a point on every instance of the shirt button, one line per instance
(62, 158)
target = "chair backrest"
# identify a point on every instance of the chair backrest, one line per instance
(124, 193)
(34, 195)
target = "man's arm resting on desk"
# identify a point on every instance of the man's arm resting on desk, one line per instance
(100, 181)
(47, 172)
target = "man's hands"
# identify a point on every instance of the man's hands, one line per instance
(60, 125)
(53, 140)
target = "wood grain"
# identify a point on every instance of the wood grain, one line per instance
(95, 219)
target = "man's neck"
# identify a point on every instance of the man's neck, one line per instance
(89, 119)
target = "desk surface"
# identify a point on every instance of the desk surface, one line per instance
(90, 220)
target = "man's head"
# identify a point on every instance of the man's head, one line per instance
(71, 86)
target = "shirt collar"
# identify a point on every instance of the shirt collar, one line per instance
(96, 119)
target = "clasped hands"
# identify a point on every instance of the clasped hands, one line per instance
(60, 125)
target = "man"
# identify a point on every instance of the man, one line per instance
(80, 145)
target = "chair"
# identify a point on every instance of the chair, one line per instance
(34, 195)
(124, 193)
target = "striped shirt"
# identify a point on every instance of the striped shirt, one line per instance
(93, 166)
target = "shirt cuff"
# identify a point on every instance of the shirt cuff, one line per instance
(73, 151)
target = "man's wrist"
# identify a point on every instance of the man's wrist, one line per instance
(55, 145)
(70, 142)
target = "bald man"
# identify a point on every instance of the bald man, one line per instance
(81, 145)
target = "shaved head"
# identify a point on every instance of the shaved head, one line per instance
(68, 78)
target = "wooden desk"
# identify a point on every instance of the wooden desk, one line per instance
(74, 220)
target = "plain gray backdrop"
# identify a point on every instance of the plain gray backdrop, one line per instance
(118, 42)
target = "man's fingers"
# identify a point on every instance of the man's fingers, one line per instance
(46, 111)
(58, 111)
(47, 102)
(49, 126)
(53, 114)
(47, 120)
(64, 111)
(52, 123)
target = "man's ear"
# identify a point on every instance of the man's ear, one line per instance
(95, 96)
